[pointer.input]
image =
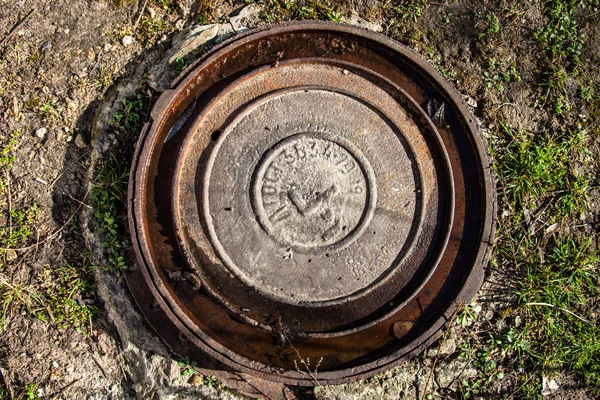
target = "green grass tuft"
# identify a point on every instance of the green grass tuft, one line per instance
(108, 196)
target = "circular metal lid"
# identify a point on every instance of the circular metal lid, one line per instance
(308, 191)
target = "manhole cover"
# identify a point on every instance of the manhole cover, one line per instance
(310, 201)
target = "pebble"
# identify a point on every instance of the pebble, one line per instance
(470, 101)
(11, 255)
(41, 133)
(549, 386)
(198, 37)
(90, 54)
(196, 380)
(79, 142)
(445, 348)
(46, 46)
(489, 314)
(127, 40)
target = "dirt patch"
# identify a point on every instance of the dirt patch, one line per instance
(78, 78)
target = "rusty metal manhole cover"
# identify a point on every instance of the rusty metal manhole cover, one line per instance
(308, 191)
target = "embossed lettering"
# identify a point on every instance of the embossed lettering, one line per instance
(305, 190)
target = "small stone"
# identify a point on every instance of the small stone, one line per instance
(470, 101)
(107, 48)
(21, 33)
(448, 347)
(15, 107)
(127, 40)
(90, 54)
(355, 19)
(67, 31)
(448, 374)
(11, 255)
(46, 46)
(198, 37)
(54, 364)
(248, 16)
(588, 228)
(41, 133)
(345, 72)
(196, 380)
(549, 386)
(79, 142)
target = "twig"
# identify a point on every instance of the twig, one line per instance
(79, 201)
(17, 26)
(7, 384)
(8, 194)
(437, 355)
(520, 387)
(513, 105)
(65, 169)
(560, 308)
(233, 27)
(37, 238)
(53, 234)
(63, 390)
(312, 375)
(99, 366)
(137, 21)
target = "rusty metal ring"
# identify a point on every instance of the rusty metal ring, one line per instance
(308, 191)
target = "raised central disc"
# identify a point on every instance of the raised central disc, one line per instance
(310, 196)
(311, 192)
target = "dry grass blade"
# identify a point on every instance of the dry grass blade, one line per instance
(561, 309)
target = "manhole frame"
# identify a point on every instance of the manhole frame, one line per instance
(182, 340)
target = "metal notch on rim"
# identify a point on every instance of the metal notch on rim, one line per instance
(308, 190)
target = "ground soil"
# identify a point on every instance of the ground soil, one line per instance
(66, 69)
